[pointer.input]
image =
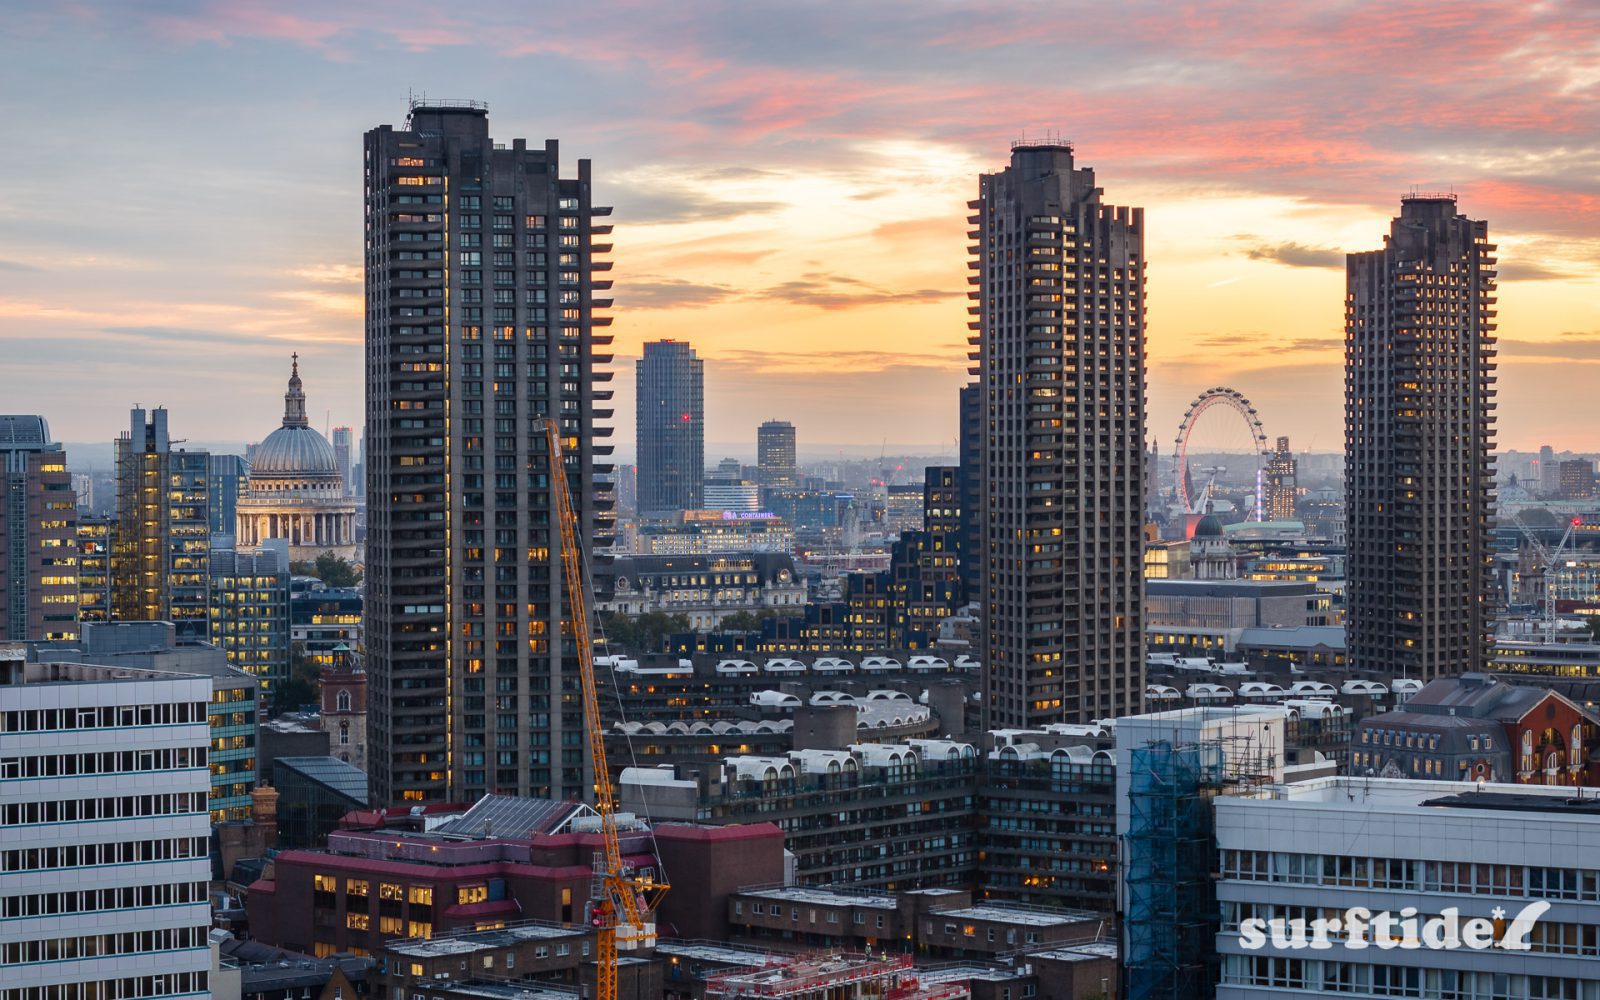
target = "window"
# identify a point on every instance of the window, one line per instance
(344, 701)
(422, 895)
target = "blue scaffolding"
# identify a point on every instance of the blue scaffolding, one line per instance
(1172, 917)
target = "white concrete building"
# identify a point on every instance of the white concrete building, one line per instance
(1414, 849)
(103, 831)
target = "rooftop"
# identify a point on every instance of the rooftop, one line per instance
(511, 816)
(1408, 794)
(1022, 916)
(331, 772)
(1079, 952)
(509, 991)
(473, 941)
(822, 897)
(1520, 802)
(708, 951)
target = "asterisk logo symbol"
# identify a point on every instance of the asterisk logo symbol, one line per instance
(1499, 913)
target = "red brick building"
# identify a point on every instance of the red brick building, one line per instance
(371, 886)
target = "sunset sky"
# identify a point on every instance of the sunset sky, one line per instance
(181, 199)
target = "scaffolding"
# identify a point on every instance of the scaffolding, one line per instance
(832, 976)
(1170, 854)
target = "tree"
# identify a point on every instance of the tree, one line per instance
(643, 633)
(333, 570)
(303, 685)
(746, 621)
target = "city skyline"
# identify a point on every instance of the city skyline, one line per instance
(798, 213)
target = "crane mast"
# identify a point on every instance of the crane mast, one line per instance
(624, 900)
(1549, 557)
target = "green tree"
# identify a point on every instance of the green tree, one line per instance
(303, 685)
(644, 633)
(333, 570)
(746, 621)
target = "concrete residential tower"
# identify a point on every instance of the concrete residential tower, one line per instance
(483, 285)
(671, 425)
(1058, 302)
(1419, 435)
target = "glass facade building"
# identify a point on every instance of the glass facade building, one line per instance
(671, 424)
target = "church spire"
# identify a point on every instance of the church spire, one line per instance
(294, 401)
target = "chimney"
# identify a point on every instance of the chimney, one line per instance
(264, 813)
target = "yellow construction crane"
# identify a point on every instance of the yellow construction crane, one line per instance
(623, 907)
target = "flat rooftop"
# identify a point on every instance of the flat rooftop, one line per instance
(1079, 952)
(1020, 915)
(1402, 794)
(14, 672)
(466, 944)
(505, 991)
(707, 952)
(1520, 802)
(821, 897)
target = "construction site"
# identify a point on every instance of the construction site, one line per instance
(832, 976)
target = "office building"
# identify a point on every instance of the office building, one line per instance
(726, 488)
(38, 533)
(228, 480)
(709, 532)
(1415, 850)
(94, 536)
(506, 859)
(485, 278)
(160, 550)
(1419, 437)
(231, 712)
(344, 457)
(1577, 479)
(103, 874)
(325, 623)
(296, 492)
(1058, 307)
(671, 425)
(1278, 486)
(250, 612)
(902, 508)
(775, 456)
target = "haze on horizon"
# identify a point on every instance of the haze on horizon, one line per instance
(183, 204)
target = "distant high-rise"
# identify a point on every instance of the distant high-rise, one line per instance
(671, 422)
(344, 455)
(38, 533)
(1058, 304)
(161, 547)
(1419, 438)
(775, 456)
(1278, 486)
(1549, 472)
(1577, 479)
(484, 284)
